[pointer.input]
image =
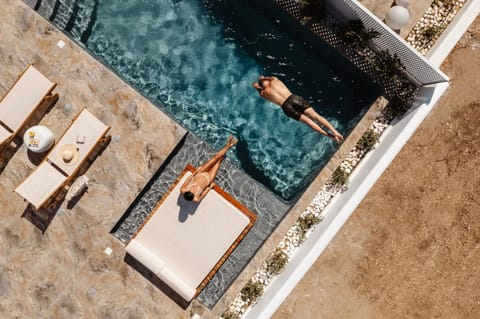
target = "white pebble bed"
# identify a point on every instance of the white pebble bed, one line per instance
(439, 15)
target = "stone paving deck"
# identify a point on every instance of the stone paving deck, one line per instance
(58, 269)
(62, 271)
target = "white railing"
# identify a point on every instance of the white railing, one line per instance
(416, 65)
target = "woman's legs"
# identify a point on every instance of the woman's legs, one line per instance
(212, 173)
(218, 157)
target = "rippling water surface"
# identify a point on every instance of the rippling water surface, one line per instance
(197, 60)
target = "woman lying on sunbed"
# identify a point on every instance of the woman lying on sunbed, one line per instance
(201, 181)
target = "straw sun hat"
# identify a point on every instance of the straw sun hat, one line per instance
(68, 154)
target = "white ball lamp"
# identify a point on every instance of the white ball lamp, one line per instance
(397, 17)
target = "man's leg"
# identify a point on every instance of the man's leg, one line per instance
(307, 120)
(312, 114)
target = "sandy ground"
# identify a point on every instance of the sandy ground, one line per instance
(412, 247)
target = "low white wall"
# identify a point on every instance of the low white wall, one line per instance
(364, 176)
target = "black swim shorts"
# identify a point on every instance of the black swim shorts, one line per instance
(294, 106)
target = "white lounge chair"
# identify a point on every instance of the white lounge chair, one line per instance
(185, 243)
(81, 139)
(19, 104)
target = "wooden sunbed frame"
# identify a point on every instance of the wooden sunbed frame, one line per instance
(57, 194)
(251, 216)
(48, 98)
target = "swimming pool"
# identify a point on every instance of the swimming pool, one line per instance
(196, 60)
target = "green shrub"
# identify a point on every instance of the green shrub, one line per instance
(397, 107)
(276, 262)
(432, 31)
(368, 140)
(356, 35)
(339, 177)
(251, 291)
(388, 65)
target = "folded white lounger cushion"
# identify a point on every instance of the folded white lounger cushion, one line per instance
(145, 256)
(171, 278)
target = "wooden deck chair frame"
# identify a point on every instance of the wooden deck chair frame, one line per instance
(48, 98)
(56, 195)
(250, 215)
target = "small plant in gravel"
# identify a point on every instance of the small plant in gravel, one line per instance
(356, 35)
(229, 314)
(251, 291)
(276, 261)
(368, 140)
(430, 32)
(339, 177)
(306, 222)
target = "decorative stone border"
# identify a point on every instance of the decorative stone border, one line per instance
(440, 11)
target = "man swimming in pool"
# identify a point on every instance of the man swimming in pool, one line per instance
(294, 106)
(197, 185)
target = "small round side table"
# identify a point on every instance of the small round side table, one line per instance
(38, 139)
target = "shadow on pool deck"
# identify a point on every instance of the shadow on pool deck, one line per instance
(157, 282)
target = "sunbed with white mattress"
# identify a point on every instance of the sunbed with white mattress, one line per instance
(184, 243)
(21, 101)
(84, 134)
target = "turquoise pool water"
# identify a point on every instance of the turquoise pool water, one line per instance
(196, 60)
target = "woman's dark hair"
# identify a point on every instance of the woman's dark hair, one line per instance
(189, 196)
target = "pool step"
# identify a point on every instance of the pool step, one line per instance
(64, 13)
(76, 17)
(45, 7)
(84, 20)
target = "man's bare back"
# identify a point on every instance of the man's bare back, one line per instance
(272, 89)
(294, 106)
